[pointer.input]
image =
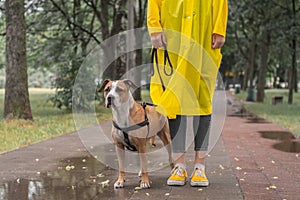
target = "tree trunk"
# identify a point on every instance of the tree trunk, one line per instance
(292, 77)
(250, 90)
(249, 71)
(246, 78)
(252, 62)
(138, 61)
(118, 68)
(296, 80)
(260, 95)
(139, 19)
(16, 103)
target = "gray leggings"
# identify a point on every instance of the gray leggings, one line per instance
(178, 129)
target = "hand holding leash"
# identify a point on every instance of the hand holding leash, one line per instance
(158, 39)
(166, 59)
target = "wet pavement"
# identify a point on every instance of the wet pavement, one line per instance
(265, 157)
(254, 159)
(84, 177)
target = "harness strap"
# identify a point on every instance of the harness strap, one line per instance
(129, 146)
(133, 127)
(125, 130)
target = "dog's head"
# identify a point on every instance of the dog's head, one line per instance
(117, 92)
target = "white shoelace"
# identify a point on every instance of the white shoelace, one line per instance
(199, 172)
(178, 171)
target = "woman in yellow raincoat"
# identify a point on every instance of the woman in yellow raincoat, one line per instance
(193, 31)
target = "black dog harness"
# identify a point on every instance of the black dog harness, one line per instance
(125, 130)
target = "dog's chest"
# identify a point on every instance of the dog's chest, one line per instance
(119, 136)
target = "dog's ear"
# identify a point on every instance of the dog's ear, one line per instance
(130, 84)
(103, 85)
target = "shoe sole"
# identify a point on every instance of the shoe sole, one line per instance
(176, 183)
(195, 184)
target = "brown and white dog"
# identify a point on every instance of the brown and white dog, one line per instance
(128, 113)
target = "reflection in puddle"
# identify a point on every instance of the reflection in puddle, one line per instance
(277, 135)
(242, 112)
(256, 120)
(288, 141)
(75, 178)
(288, 146)
(239, 111)
(251, 118)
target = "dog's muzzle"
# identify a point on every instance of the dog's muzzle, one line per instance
(109, 101)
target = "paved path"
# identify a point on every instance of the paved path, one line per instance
(265, 156)
(243, 165)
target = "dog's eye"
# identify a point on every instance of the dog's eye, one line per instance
(107, 89)
(119, 89)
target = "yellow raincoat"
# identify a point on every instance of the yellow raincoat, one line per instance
(188, 26)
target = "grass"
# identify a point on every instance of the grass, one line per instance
(51, 122)
(283, 114)
(48, 122)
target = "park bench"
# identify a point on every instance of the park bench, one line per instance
(277, 99)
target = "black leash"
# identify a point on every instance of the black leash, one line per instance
(166, 59)
(125, 130)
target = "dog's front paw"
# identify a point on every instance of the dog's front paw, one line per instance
(118, 184)
(145, 184)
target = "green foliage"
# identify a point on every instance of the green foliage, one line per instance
(39, 78)
(60, 34)
(2, 78)
(48, 122)
(283, 114)
(248, 21)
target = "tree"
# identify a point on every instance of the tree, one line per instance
(246, 30)
(139, 22)
(293, 71)
(265, 42)
(265, 17)
(262, 71)
(16, 103)
(290, 9)
(86, 23)
(69, 29)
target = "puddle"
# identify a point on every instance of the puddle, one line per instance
(75, 178)
(277, 135)
(256, 120)
(239, 111)
(242, 112)
(288, 141)
(251, 118)
(288, 146)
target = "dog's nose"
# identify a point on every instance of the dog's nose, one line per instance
(110, 98)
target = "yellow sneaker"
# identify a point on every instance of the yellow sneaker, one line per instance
(178, 176)
(199, 177)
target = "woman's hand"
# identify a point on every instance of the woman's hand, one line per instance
(218, 41)
(158, 39)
